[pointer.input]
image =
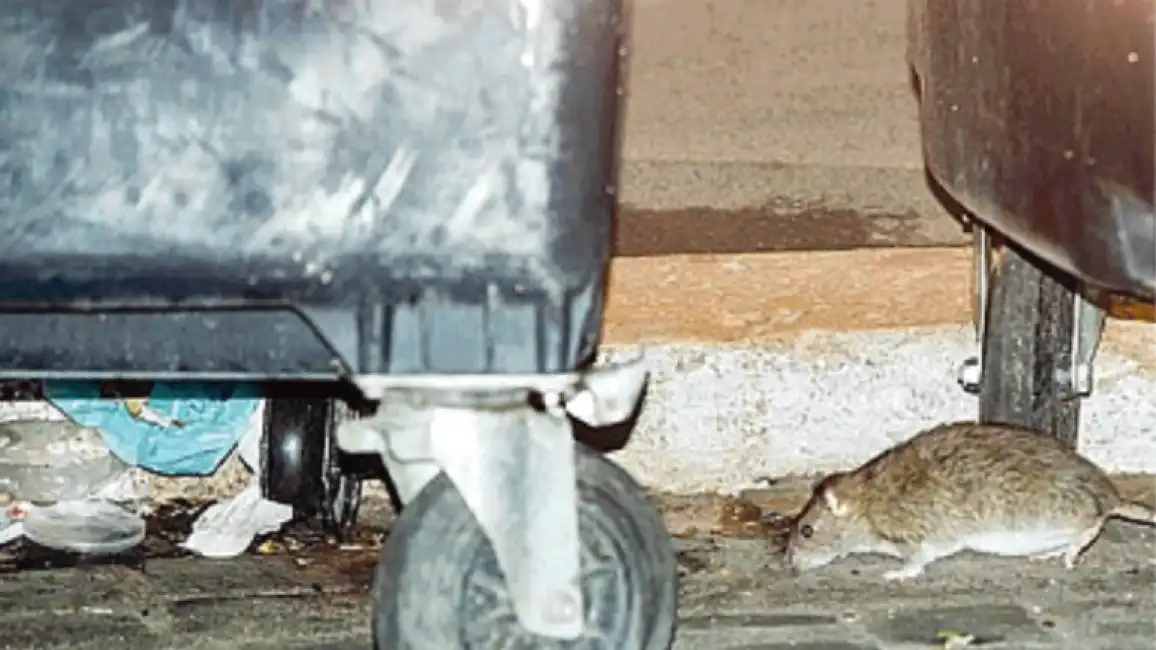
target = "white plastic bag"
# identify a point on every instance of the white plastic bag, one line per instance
(66, 490)
(226, 528)
(71, 492)
(49, 461)
(186, 429)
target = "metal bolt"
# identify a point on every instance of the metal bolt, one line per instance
(970, 375)
(553, 401)
(1076, 382)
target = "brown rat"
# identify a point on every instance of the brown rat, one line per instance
(962, 486)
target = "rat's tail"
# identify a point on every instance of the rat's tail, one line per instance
(1135, 511)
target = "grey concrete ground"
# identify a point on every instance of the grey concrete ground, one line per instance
(734, 597)
(1105, 604)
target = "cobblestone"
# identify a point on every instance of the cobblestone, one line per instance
(744, 600)
(77, 629)
(819, 645)
(737, 597)
(756, 620)
(987, 623)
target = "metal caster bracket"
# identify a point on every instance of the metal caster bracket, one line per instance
(1087, 327)
(971, 371)
(512, 463)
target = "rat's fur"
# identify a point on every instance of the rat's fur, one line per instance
(961, 486)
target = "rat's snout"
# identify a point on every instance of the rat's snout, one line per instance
(803, 561)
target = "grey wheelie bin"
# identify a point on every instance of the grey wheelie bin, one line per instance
(1039, 121)
(412, 201)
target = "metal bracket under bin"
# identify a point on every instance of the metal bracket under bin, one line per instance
(512, 463)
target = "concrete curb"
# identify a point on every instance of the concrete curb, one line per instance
(716, 417)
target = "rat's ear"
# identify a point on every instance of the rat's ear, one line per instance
(834, 503)
(826, 489)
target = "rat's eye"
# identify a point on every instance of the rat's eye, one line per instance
(806, 531)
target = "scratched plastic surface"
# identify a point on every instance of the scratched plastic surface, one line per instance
(1038, 118)
(322, 139)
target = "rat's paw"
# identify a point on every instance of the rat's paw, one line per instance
(1046, 557)
(1075, 552)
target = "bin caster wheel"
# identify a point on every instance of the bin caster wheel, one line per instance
(438, 584)
(301, 465)
(1028, 340)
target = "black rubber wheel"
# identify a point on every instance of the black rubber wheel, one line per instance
(1028, 338)
(438, 584)
(301, 463)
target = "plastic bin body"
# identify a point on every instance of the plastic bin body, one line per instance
(299, 190)
(1038, 117)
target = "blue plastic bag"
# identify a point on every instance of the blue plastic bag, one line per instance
(183, 429)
